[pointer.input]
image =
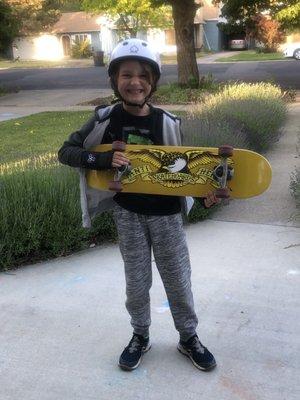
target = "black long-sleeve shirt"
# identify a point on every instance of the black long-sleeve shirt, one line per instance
(73, 154)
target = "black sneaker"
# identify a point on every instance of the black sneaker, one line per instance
(132, 354)
(198, 354)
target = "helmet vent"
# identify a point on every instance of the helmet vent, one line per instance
(134, 49)
(125, 43)
(144, 44)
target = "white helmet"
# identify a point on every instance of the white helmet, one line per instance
(135, 49)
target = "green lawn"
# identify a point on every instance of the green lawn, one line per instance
(37, 134)
(45, 64)
(172, 58)
(252, 55)
(165, 59)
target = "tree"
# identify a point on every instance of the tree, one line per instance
(34, 16)
(184, 12)
(69, 5)
(131, 16)
(134, 15)
(243, 11)
(9, 27)
(289, 17)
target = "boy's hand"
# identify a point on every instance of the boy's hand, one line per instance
(119, 159)
(211, 199)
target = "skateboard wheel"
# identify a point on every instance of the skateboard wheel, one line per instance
(118, 145)
(226, 151)
(222, 193)
(115, 186)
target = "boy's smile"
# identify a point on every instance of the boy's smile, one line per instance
(133, 82)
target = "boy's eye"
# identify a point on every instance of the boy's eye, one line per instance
(129, 76)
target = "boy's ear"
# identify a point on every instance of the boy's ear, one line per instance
(113, 82)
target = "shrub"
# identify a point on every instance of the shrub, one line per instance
(210, 133)
(40, 213)
(81, 49)
(268, 33)
(252, 114)
(198, 213)
(172, 93)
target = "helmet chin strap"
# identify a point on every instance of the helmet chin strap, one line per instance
(128, 103)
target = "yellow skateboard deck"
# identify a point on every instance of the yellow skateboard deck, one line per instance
(185, 171)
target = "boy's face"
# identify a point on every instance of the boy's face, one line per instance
(133, 82)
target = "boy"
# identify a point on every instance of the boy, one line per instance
(143, 222)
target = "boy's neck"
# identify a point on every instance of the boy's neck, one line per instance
(139, 112)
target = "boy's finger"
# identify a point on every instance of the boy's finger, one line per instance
(211, 199)
(120, 157)
(119, 160)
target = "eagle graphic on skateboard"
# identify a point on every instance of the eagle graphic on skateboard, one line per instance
(184, 171)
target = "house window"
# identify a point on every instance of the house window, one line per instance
(170, 37)
(79, 38)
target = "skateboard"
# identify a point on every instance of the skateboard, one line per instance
(185, 171)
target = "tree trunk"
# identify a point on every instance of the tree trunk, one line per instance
(183, 14)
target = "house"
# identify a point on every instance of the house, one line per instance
(103, 35)
(78, 26)
(207, 34)
(56, 44)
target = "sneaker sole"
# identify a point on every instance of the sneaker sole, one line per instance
(126, 368)
(185, 353)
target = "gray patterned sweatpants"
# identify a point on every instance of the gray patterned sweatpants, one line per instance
(137, 235)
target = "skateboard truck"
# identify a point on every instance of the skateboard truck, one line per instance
(116, 184)
(223, 172)
(218, 173)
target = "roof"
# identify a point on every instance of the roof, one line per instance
(210, 11)
(77, 22)
(207, 12)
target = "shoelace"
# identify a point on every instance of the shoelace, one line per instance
(196, 344)
(133, 346)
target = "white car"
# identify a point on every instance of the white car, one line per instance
(292, 50)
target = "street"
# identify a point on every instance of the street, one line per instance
(286, 73)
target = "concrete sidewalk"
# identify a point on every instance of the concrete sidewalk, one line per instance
(64, 324)
(211, 58)
(27, 102)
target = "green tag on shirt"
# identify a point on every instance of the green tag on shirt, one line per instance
(136, 139)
